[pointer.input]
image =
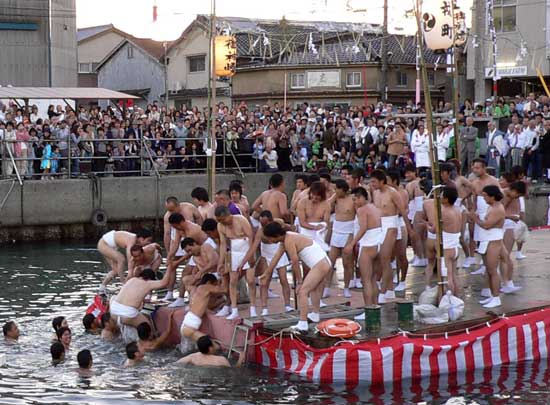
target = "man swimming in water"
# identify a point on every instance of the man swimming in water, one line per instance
(135, 356)
(207, 355)
(109, 246)
(147, 341)
(11, 331)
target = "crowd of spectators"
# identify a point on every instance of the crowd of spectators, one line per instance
(134, 141)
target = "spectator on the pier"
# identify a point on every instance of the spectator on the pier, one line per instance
(468, 137)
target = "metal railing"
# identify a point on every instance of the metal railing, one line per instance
(95, 156)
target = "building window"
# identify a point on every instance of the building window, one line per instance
(197, 63)
(504, 15)
(353, 79)
(130, 52)
(402, 79)
(297, 81)
(431, 77)
(84, 68)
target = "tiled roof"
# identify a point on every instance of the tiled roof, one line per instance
(83, 33)
(152, 47)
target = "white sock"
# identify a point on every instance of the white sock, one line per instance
(288, 308)
(234, 311)
(179, 300)
(302, 325)
(265, 311)
(253, 311)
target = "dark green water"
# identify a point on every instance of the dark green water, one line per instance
(43, 280)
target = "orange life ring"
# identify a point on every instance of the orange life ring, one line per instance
(339, 327)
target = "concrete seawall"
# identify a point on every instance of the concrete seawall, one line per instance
(61, 209)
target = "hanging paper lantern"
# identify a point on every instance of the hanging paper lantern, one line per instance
(437, 24)
(460, 26)
(226, 55)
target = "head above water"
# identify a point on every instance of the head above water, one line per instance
(206, 345)
(64, 335)
(84, 358)
(133, 352)
(10, 330)
(57, 350)
(89, 322)
(58, 322)
(144, 331)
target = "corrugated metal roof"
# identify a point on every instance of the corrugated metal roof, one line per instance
(72, 93)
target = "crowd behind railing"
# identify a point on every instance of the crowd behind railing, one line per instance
(157, 141)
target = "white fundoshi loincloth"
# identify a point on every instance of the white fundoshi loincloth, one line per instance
(180, 252)
(109, 239)
(268, 250)
(239, 249)
(341, 231)
(371, 237)
(119, 309)
(388, 222)
(482, 208)
(313, 254)
(489, 235)
(451, 241)
(318, 236)
(191, 321)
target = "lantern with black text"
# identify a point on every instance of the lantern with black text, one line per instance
(437, 24)
(460, 27)
(226, 55)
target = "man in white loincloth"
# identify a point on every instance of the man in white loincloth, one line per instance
(109, 246)
(416, 198)
(267, 251)
(400, 253)
(314, 214)
(368, 238)
(511, 204)
(273, 200)
(236, 231)
(342, 233)
(125, 306)
(389, 202)
(301, 185)
(301, 248)
(451, 217)
(142, 257)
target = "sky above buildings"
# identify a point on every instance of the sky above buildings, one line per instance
(136, 16)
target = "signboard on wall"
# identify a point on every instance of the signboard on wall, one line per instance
(508, 71)
(324, 78)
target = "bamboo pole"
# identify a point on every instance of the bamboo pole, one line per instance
(211, 123)
(433, 139)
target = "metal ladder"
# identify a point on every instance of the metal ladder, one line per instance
(232, 347)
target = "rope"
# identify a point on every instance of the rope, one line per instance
(7, 195)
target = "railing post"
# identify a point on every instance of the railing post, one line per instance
(141, 156)
(69, 155)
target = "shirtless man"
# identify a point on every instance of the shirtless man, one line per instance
(207, 289)
(147, 341)
(302, 248)
(135, 356)
(368, 236)
(400, 253)
(237, 198)
(342, 234)
(355, 178)
(202, 201)
(268, 250)
(205, 257)
(109, 329)
(512, 206)
(426, 218)
(142, 257)
(463, 203)
(389, 202)
(207, 355)
(491, 244)
(126, 305)
(314, 214)
(416, 198)
(223, 199)
(236, 231)
(304, 194)
(273, 200)
(301, 185)
(326, 180)
(452, 226)
(480, 205)
(183, 229)
(109, 246)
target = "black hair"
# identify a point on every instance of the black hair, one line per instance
(450, 193)
(342, 185)
(318, 188)
(225, 193)
(106, 317)
(84, 358)
(325, 176)
(266, 214)
(479, 160)
(221, 211)
(88, 321)
(131, 350)
(276, 180)
(148, 274)
(57, 321)
(358, 173)
(172, 199)
(236, 181)
(518, 171)
(410, 168)
(7, 327)
(493, 191)
(379, 175)
(302, 177)
(312, 178)
(57, 350)
(175, 218)
(348, 167)
(204, 343)
(144, 331)
(200, 194)
(360, 191)
(61, 331)
(187, 242)
(144, 233)
(236, 187)
(209, 224)
(273, 230)
(446, 167)
(394, 176)
(208, 278)
(519, 187)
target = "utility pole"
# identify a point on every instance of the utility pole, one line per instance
(479, 57)
(384, 56)
(212, 109)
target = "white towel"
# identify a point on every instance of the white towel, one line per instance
(318, 236)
